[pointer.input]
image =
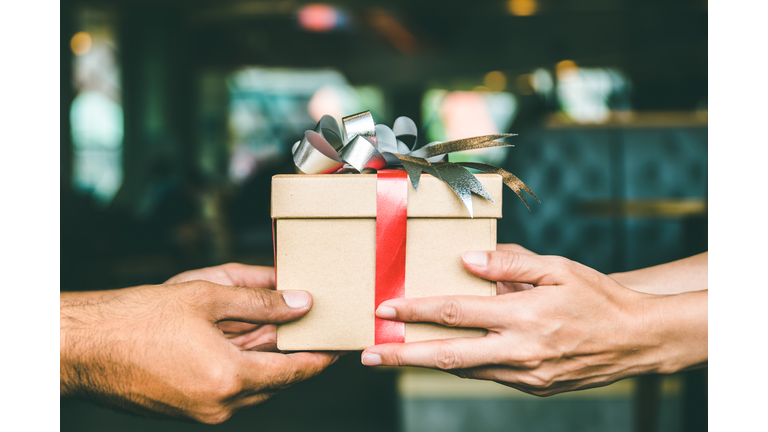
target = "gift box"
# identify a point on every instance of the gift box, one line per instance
(355, 239)
(326, 243)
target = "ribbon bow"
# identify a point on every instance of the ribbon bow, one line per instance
(363, 146)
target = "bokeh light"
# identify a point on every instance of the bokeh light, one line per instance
(81, 43)
(524, 84)
(318, 17)
(326, 101)
(466, 114)
(389, 27)
(522, 7)
(566, 70)
(542, 82)
(495, 81)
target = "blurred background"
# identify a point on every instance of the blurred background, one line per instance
(176, 114)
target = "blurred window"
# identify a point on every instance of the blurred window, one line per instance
(96, 114)
(451, 115)
(588, 95)
(270, 108)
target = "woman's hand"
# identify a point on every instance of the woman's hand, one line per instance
(573, 328)
(503, 287)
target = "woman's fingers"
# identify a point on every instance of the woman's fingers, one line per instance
(514, 247)
(510, 287)
(446, 354)
(510, 266)
(451, 311)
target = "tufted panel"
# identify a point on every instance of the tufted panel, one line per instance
(571, 169)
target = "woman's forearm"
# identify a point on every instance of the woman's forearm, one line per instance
(688, 274)
(681, 330)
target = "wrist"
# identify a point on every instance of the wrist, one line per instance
(686, 331)
(674, 332)
(67, 362)
(73, 371)
(631, 280)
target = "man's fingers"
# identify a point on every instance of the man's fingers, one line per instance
(510, 266)
(451, 311)
(265, 374)
(251, 276)
(265, 333)
(230, 274)
(236, 328)
(252, 305)
(265, 347)
(446, 354)
(275, 371)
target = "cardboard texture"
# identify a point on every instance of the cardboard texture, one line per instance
(326, 244)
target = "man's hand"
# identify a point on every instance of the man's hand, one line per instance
(232, 274)
(574, 328)
(255, 337)
(159, 351)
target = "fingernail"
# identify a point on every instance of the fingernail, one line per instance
(476, 258)
(371, 359)
(296, 299)
(385, 312)
(334, 359)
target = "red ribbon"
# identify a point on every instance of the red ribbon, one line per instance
(391, 227)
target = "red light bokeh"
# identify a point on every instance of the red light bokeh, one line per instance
(318, 17)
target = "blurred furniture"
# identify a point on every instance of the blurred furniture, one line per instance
(613, 199)
(437, 401)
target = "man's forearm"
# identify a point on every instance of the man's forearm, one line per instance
(689, 274)
(82, 297)
(70, 321)
(90, 354)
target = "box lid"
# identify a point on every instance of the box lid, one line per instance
(354, 196)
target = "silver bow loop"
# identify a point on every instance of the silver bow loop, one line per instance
(359, 124)
(362, 154)
(321, 144)
(318, 151)
(329, 129)
(406, 132)
(386, 140)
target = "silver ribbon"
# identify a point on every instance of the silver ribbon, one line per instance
(363, 146)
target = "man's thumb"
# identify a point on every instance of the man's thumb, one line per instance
(256, 305)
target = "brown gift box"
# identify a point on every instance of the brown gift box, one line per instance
(326, 244)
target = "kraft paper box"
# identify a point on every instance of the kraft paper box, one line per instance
(326, 244)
